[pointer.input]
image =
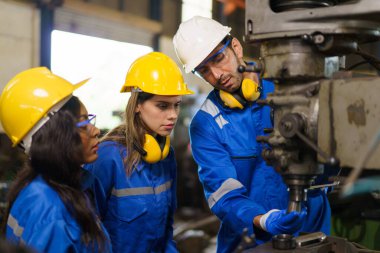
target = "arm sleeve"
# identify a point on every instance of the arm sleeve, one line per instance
(318, 211)
(171, 244)
(226, 196)
(104, 170)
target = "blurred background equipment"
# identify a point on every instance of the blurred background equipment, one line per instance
(11, 160)
(304, 46)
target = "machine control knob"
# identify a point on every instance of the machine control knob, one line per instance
(290, 125)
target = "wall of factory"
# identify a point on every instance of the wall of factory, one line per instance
(19, 41)
(126, 21)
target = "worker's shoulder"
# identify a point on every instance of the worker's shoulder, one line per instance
(40, 200)
(110, 155)
(202, 118)
(110, 150)
(210, 106)
(39, 190)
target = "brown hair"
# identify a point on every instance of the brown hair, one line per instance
(131, 133)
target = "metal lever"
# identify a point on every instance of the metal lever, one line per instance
(311, 238)
(290, 126)
(329, 159)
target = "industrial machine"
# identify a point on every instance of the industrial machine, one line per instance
(324, 115)
(321, 114)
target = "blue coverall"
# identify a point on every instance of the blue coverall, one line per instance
(238, 184)
(137, 210)
(39, 219)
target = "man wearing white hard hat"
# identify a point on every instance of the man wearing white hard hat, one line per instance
(240, 188)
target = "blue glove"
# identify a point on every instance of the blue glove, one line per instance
(279, 222)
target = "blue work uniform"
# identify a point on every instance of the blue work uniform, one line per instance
(137, 210)
(39, 219)
(238, 184)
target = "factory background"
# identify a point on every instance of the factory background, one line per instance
(99, 39)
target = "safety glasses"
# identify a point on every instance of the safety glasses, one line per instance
(91, 120)
(216, 60)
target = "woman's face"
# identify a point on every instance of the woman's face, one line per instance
(160, 113)
(89, 135)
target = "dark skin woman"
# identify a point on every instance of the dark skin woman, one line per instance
(49, 209)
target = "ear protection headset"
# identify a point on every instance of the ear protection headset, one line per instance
(155, 149)
(248, 92)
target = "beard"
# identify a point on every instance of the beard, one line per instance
(235, 78)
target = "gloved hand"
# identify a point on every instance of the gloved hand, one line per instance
(279, 222)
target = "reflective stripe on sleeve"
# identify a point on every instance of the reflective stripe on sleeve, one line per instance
(221, 121)
(164, 187)
(13, 223)
(227, 186)
(142, 190)
(209, 107)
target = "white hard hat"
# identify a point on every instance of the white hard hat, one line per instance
(196, 38)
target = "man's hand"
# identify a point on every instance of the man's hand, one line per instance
(279, 222)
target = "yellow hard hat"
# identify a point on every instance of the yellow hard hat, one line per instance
(28, 97)
(155, 73)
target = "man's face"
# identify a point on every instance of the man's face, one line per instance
(220, 66)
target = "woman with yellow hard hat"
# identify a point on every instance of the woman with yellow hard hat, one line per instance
(136, 165)
(48, 208)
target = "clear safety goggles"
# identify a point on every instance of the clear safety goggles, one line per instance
(216, 60)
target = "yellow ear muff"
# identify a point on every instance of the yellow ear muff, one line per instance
(250, 90)
(154, 151)
(229, 100)
(166, 148)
